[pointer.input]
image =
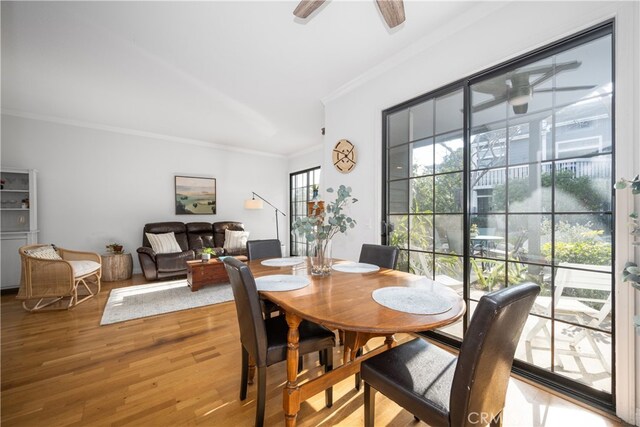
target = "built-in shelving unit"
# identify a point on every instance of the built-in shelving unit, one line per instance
(19, 213)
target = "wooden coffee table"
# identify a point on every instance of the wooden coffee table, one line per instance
(212, 272)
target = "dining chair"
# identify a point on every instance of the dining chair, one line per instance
(265, 340)
(381, 255)
(442, 389)
(384, 257)
(267, 248)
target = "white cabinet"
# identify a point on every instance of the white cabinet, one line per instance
(19, 226)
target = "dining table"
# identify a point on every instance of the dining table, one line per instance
(344, 301)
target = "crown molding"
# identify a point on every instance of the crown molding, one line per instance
(474, 14)
(317, 147)
(134, 132)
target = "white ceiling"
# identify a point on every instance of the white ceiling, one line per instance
(232, 73)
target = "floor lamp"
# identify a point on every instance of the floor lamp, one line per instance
(257, 204)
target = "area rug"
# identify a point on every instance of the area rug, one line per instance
(134, 302)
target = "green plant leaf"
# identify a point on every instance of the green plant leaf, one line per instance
(633, 270)
(620, 185)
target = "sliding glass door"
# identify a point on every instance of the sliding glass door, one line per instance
(506, 178)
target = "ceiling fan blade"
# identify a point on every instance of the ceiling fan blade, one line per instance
(566, 89)
(307, 7)
(488, 104)
(557, 69)
(392, 11)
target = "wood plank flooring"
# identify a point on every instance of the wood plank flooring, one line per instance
(181, 369)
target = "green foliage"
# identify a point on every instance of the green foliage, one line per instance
(631, 272)
(497, 275)
(634, 184)
(598, 253)
(209, 251)
(334, 221)
(578, 192)
(577, 243)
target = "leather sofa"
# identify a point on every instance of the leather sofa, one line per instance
(192, 238)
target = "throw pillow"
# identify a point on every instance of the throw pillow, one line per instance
(43, 252)
(164, 243)
(234, 240)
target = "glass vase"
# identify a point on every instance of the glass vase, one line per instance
(320, 257)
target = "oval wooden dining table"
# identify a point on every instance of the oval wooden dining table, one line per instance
(344, 301)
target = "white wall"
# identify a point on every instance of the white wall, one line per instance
(461, 49)
(307, 159)
(96, 186)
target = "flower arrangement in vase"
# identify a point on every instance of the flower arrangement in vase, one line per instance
(322, 224)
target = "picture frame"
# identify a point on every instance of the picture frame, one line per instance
(195, 195)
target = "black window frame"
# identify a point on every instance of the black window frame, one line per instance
(581, 392)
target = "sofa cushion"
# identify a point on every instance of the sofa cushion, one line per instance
(235, 240)
(164, 243)
(220, 227)
(200, 235)
(178, 229)
(43, 252)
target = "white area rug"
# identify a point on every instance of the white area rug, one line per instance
(134, 302)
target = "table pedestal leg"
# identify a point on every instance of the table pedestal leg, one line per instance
(291, 398)
(390, 341)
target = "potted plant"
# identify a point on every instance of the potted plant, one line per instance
(631, 271)
(207, 253)
(116, 248)
(322, 225)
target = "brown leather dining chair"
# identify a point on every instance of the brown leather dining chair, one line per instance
(267, 248)
(444, 390)
(384, 257)
(380, 255)
(265, 340)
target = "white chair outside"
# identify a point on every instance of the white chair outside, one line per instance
(578, 309)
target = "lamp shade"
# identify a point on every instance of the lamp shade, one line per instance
(253, 204)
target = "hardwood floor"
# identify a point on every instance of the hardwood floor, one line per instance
(183, 368)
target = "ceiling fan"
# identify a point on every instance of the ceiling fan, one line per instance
(392, 10)
(517, 87)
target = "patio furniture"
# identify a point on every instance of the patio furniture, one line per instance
(51, 274)
(578, 308)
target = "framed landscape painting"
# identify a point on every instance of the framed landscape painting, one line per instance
(195, 196)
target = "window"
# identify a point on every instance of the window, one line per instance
(506, 177)
(301, 185)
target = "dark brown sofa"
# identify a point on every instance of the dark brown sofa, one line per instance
(192, 238)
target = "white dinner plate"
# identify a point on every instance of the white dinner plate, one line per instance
(283, 262)
(281, 282)
(412, 300)
(355, 267)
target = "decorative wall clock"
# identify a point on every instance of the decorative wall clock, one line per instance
(344, 156)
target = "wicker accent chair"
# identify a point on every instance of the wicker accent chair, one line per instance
(45, 281)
